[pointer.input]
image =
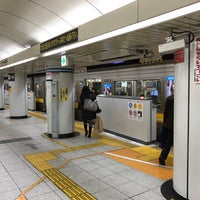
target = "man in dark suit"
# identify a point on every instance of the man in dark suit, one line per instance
(169, 126)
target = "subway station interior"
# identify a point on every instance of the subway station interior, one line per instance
(130, 53)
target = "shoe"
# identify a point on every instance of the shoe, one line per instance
(85, 134)
(161, 161)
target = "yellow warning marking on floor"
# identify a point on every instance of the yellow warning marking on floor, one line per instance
(87, 146)
(141, 148)
(155, 155)
(43, 166)
(146, 158)
(163, 172)
(152, 150)
(79, 126)
(37, 115)
(41, 156)
(47, 156)
(170, 157)
(151, 154)
(76, 148)
(39, 161)
(68, 148)
(111, 143)
(68, 186)
(133, 159)
(107, 140)
(61, 143)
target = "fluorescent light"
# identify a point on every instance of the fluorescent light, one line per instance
(18, 63)
(149, 22)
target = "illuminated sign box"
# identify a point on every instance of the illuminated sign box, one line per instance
(59, 41)
(170, 47)
(64, 60)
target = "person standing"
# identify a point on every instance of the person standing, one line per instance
(169, 127)
(87, 116)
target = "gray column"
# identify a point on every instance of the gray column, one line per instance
(62, 113)
(18, 95)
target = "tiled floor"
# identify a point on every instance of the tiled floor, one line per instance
(34, 167)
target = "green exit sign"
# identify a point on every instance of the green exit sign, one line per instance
(64, 60)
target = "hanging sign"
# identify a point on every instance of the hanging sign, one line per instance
(59, 41)
(11, 77)
(179, 56)
(64, 60)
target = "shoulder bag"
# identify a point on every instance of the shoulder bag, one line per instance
(90, 105)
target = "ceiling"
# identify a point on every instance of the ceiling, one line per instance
(24, 23)
(29, 22)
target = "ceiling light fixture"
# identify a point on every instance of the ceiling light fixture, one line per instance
(18, 63)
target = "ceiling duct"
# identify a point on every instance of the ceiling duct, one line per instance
(134, 53)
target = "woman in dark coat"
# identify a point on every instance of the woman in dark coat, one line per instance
(87, 116)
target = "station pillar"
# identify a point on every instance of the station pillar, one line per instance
(18, 95)
(186, 174)
(60, 102)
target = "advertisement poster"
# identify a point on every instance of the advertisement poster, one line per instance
(135, 110)
(63, 94)
(169, 83)
(108, 89)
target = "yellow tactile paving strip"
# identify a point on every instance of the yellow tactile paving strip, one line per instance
(159, 117)
(70, 188)
(39, 161)
(106, 140)
(152, 154)
(37, 114)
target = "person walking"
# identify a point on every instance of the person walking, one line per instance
(169, 127)
(87, 116)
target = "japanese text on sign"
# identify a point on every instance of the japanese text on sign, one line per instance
(197, 62)
(61, 40)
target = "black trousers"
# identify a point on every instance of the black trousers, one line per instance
(167, 145)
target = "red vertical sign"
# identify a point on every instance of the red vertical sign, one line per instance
(197, 61)
(179, 56)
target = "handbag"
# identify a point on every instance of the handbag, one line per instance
(98, 126)
(90, 105)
